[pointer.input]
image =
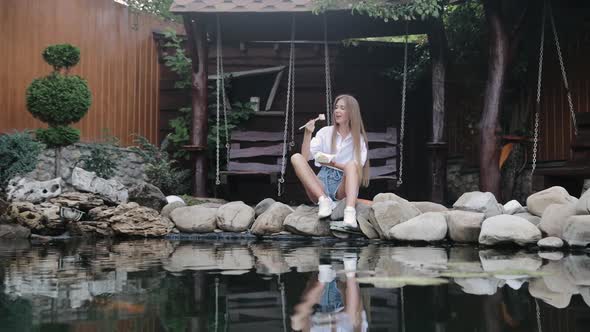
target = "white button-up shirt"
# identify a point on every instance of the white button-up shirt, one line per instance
(322, 142)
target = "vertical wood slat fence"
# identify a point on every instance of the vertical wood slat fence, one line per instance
(118, 59)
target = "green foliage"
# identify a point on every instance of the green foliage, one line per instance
(103, 157)
(159, 8)
(58, 100)
(61, 56)
(58, 136)
(19, 154)
(177, 60)
(386, 10)
(160, 170)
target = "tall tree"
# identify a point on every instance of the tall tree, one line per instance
(159, 8)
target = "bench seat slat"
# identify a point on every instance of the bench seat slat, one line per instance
(256, 136)
(253, 167)
(381, 153)
(382, 170)
(271, 150)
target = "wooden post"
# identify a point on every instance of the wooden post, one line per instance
(197, 49)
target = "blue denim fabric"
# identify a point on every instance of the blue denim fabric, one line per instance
(331, 178)
(331, 299)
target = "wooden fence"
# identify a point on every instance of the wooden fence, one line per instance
(118, 59)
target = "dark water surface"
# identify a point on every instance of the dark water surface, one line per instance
(161, 285)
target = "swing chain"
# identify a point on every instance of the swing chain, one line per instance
(538, 312)
(400, 180)
(290, 94)
(538, 100)
(563, 73)
(327, 73)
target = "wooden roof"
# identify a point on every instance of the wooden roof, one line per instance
(233, 6)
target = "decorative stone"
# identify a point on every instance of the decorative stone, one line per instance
(195, 219)
(54, 225)
(513, 207)
(146, 194)
(464, 226)
(550, 242)
(78, 200)
(110, 190)
(429, 207)
(583, 205)
(263, 205)
(506, 228)
(23, 189)
(429, 226)
(141, 221)
(477, 201)
(365, 218)
(271, 221)
(235, 217)
(14, 231)
(27, 215)
(391, 213)
(554, 218)
(174, 198)
(305, 221)
(576, 231)
(384, 197)
(538, 202)
(100, 228)
(168, 208)
(531, 218)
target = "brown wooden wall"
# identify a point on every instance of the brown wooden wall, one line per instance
(118, 59)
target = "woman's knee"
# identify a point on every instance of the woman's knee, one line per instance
(297, 158)
(350, 167)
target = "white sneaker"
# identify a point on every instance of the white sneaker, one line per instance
(326, 273)
(350, 265)
(325, 204)
(350, 217)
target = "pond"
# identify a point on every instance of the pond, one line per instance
(163, 285)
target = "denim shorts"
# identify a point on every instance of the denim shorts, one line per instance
(331, 299)
(331, 178)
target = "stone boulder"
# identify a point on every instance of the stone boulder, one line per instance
(554, 218)
(22, 189)
(384, 197)
(583, 205)
(429, 226)
(77, 200)
(13, 231)
(477, 201)
(195, 219)
(235, 217)
(263, 205)
(538, 202)
(305, 221)
(530, 217)
(429, 207)
(26, 214)
(168, 208)
(110, 190)
(365, 218)
(141, 221)
(271, 221)
(576, 231)
(513, 207)
(551, 242)
(508, 229)
(146, 194)
(54, 224)
(464, 226)
(390, 213)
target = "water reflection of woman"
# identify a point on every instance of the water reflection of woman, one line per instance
(328, 304)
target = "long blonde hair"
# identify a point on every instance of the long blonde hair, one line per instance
(357, 130)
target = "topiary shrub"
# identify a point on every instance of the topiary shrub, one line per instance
(19, 154)
(59, 99)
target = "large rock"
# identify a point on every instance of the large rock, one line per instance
(530, 217)
(506, 228)
(305, 221)
(390, 213)
(365, 218)
(430, 226)
(23, 189)
(146, 194)
(576, 231)
(429, 207)
(13, 231)
(235, 217)
(583, 205)
(538, 202)
(54, 224)
(554, 218)
(195, 219)
(464, 226)
(141, 221)
(77, 200)
(110, 190)
(477, 201)
(551, 242)
(26, 214)
(384, 197)
(168, 208)
(263, 205)
(513, 207)
(271, 221)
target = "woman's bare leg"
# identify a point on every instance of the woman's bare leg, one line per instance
(313, 186)
(350, 184)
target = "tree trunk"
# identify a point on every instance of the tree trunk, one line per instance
(197, 47)
(489, 152)
(437, 40)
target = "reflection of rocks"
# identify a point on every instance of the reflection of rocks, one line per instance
(303, 259)
(481, 202)
(269, 259)
(464, 226)
(188, 257)
(509, 263)
(235, 217)
(305, 221)
(421, 260)
(479, 286)
(429, 226)
(576, 231)
(13, 231)
(538, 202)
(271, 221)
(552, 256)
(506, 228)
(538, 289)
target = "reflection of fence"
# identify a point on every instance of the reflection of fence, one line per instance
(118, 59)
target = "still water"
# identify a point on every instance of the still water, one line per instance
(162, 285)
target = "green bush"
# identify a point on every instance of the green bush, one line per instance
(58, 100)
(19, 154)
(58, 136)
(102, 158)
(61, 56)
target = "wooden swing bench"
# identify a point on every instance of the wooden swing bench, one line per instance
(259, 154)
